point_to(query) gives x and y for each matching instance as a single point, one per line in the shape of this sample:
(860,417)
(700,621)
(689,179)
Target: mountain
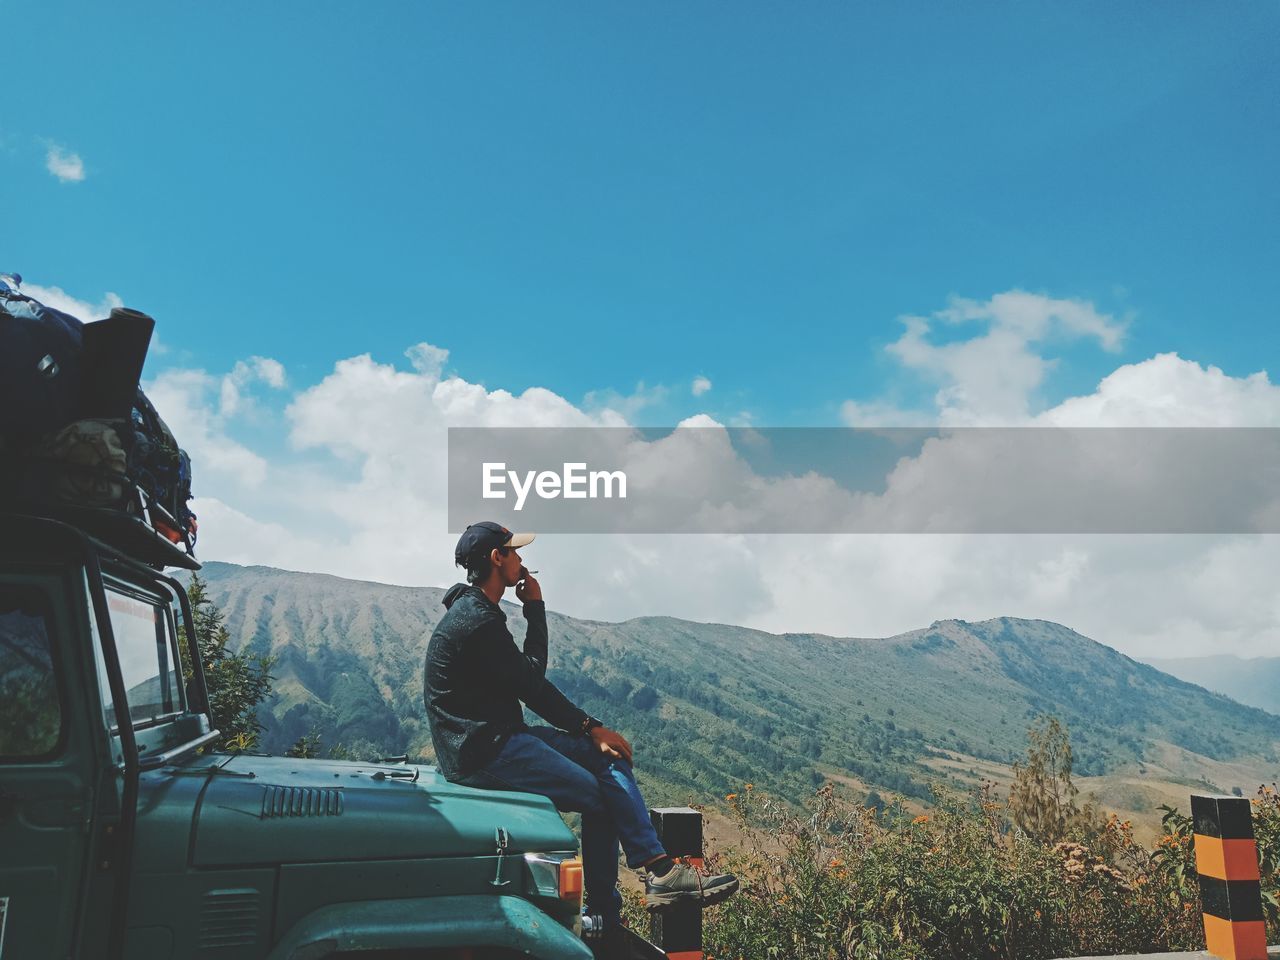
(1255,681)
(710,706)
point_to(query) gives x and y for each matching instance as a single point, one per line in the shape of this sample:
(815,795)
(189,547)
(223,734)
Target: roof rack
(131,535)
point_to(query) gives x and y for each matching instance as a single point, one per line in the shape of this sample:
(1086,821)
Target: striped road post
(1230,891)
(678,931)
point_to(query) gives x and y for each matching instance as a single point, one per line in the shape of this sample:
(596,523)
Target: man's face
(509,566)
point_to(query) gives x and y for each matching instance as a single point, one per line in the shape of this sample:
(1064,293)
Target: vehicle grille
(228,918)
(301,802)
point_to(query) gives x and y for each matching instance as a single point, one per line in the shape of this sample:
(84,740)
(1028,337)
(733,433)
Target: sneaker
(683,884)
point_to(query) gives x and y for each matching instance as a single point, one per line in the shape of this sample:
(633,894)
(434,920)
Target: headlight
(555,875)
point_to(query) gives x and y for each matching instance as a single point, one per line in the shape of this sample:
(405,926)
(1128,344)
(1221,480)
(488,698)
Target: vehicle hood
(274,810)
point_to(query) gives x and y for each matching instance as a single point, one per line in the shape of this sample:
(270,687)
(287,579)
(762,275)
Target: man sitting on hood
(476,678)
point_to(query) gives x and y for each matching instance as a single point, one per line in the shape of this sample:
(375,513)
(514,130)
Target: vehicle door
(46,767)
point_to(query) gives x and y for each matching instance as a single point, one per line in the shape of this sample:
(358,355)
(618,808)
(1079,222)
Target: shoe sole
(662,902)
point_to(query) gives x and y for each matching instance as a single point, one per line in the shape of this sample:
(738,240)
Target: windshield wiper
(410,775)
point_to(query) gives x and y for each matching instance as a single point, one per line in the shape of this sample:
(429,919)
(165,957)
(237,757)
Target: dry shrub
(960,882)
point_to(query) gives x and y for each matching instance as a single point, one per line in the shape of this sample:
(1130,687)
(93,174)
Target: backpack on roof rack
(40,355)
(80,432)
(133,465)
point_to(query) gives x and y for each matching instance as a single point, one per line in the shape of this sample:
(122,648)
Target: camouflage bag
(162,470)
(86,463)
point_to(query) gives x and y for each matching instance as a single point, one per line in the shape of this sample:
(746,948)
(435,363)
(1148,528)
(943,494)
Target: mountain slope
(1255,681)
(711,706)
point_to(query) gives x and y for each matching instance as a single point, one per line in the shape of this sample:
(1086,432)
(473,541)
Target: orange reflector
(1226,859)
(1235,941)
(166,531)
(571,879)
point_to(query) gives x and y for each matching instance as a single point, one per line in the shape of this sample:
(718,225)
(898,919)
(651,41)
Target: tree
(237,682)
(305,747)
(1042,799)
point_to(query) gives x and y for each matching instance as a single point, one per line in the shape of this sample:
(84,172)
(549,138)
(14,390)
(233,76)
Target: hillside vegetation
(710,706)
(963,882)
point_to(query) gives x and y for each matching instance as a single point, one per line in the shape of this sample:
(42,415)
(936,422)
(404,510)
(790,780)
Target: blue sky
(591,206)
(590,197)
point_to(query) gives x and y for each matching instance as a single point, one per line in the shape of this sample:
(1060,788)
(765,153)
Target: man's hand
(528,588)
(611,742)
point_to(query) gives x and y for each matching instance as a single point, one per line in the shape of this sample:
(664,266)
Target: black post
(1230,891)
(677,931)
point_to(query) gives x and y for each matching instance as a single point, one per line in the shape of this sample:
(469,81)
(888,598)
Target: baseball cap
(479,538)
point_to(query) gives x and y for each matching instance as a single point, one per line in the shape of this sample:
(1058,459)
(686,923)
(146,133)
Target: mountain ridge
(714,705)
(1250,680)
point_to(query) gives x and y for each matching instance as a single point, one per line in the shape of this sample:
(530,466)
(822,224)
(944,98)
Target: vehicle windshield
(145,643)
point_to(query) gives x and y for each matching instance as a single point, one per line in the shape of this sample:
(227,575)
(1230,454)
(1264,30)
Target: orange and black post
(677,932)
(1230,887)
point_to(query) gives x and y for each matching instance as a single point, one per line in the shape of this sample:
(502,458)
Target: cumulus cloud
(269,371)
(627,405)
(1146,595)
(700,386)
(367,499)
(59,299)
(993,376)
(232,535)
(1168,391)
(63,164)
(86,311)
(880,413)
(232,392)
(201,409)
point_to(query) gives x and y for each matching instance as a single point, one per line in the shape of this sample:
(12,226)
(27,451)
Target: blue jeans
(572,772)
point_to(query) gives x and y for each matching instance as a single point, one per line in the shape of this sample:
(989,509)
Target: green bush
(838,880)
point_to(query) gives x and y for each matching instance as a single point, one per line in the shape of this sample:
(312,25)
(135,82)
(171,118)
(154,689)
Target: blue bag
(40,366)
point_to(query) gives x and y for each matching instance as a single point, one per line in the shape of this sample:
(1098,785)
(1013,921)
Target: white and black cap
(479,538)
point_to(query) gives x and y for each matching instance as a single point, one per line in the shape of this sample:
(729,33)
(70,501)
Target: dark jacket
(475,678)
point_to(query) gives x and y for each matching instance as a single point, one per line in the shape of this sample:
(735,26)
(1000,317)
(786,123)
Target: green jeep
(125,833)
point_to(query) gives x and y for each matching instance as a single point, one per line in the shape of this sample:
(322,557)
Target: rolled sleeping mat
(114,351)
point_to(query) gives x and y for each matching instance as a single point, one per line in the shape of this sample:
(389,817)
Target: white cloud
(232,390)
(59,299)
(992,377)
(1153,595)
(63,164)
(427,359)
(628,405)
(85,311)
(370,499)
(877,413)
(1145,596)
(1168,391)
(270,372)
(228,534)
(700,386)
(186,401)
